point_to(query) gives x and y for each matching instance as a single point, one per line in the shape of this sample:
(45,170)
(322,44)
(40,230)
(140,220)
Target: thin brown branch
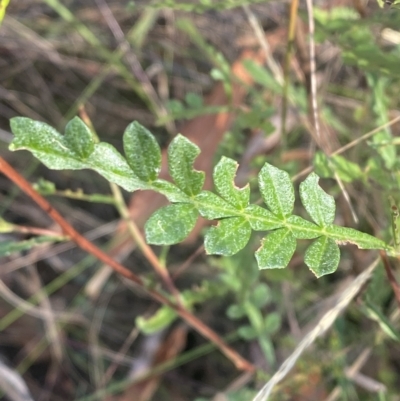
(89,247)
(392,279)
(291,35)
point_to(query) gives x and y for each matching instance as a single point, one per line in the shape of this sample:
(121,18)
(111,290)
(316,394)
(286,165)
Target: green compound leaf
(261,219)
(276,190)
(142,152)
(213,207)
(171,224)
(322,256)
(51,148)
(319,205)
(181,155)
(228,237)
(276,249)
(345,235)
(224,176)
(79,138)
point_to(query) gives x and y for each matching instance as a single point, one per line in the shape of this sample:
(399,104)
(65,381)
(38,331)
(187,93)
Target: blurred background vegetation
(229,75)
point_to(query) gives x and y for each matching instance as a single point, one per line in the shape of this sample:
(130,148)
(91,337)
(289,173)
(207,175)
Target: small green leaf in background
(261,295)
(160,320)
(276,249)
(171,224)
(224,181)
(9,247)
(276,190)
(235,312)
(379,84)
(319,205)
(193,100)
(272,323)
(372,311)
(322,256)
(262,76)
(181,155)
(79,138)
(142,152)
(345,169)
(228,237)
(247,332)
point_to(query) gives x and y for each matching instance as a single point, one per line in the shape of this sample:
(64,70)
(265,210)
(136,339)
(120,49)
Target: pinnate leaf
(276,249)
(319,205)
(224,181)
(142,152)
(276,190)
(181,155)
(322,256)
(228,237)
(171,224)
(79,138)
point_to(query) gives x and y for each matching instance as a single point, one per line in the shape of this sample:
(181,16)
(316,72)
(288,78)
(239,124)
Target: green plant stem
(160,269)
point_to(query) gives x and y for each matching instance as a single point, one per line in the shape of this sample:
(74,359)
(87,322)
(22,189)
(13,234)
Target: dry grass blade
(324,324)
(12,384)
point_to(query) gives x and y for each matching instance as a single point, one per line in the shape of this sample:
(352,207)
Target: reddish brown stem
(390,275)
(89,247)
